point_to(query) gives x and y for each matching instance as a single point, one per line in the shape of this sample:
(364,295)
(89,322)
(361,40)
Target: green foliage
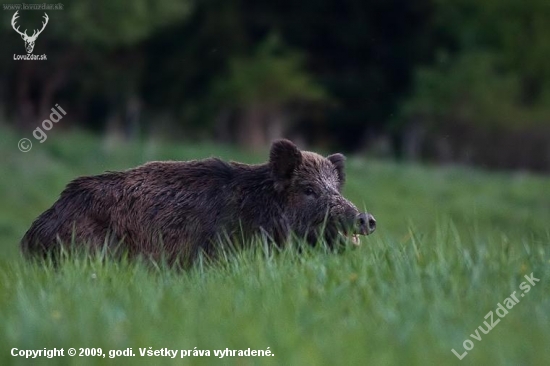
(450,244)
(273,75)
(518,31)
(499,77)
(111,23)
(470,90)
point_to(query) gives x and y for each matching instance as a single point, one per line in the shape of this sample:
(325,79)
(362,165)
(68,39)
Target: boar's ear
(338,160)
(284,157)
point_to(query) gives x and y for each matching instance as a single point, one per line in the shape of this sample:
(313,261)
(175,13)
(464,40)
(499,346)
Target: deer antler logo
(29,40)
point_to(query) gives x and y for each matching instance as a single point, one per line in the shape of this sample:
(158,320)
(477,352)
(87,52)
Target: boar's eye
(308,191)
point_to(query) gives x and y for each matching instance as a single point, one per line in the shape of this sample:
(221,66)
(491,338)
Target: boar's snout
(366,224)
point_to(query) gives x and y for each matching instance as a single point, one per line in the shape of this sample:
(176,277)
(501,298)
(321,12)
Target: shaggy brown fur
(176,209)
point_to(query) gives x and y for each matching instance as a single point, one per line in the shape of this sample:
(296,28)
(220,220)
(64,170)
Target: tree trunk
(50,87)
(251,132)
(277,124)
(25,109)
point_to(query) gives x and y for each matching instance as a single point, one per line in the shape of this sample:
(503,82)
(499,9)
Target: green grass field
(451,244)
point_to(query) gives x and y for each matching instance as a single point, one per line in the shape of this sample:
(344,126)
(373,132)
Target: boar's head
(310,186)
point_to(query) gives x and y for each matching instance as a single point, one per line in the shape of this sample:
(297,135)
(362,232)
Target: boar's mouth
(354,238)
(353,235)
(338,231)
(346,234)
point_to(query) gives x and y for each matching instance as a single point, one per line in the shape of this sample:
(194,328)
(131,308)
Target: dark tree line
(447,80)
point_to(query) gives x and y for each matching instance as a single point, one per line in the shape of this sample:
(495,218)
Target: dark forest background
(462,81)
